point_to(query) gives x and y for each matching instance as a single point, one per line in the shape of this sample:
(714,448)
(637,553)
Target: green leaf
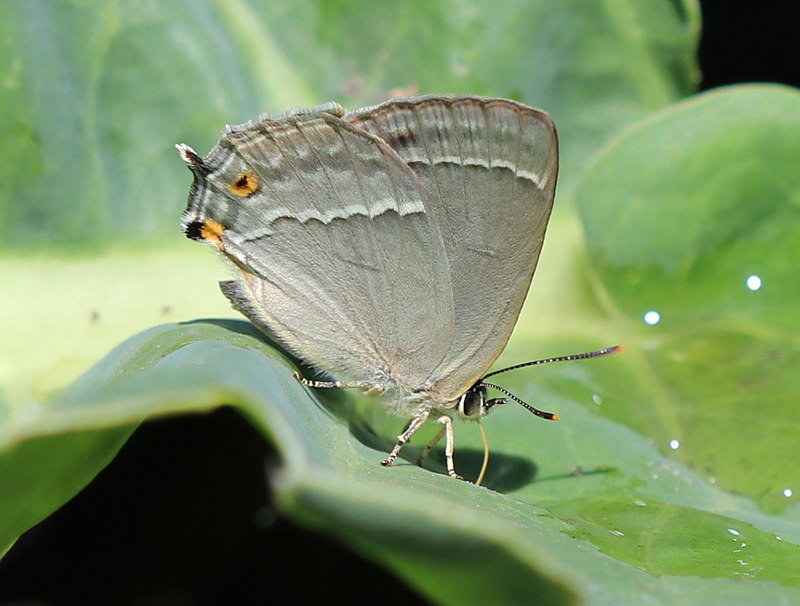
(679,212)
(96,94)
(597,507)
(547,541)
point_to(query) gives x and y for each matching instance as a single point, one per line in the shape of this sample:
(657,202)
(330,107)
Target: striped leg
(449,445)
(330,384)
(404,437)
(430,446)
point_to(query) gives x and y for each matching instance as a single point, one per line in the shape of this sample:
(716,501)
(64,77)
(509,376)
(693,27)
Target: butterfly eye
(470,406)
(244,185)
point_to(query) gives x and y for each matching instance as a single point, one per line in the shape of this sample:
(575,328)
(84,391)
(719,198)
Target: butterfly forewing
(339,256)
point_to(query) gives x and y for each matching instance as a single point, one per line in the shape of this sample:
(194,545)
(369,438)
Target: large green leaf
(95,94)
(677,213)
(598,507)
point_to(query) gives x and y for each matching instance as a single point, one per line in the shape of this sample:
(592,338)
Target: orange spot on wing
(212,231)
(244,185)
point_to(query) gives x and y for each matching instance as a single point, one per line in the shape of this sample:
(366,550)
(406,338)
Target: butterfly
(391,247)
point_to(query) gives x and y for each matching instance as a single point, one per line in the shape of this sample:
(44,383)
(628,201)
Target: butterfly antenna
(539,413)
(582,356)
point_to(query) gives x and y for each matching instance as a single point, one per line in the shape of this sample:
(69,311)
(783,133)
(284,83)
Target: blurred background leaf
(96,94)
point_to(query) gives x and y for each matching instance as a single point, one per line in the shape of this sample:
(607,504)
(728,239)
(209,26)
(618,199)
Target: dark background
(749,42)
(182,516)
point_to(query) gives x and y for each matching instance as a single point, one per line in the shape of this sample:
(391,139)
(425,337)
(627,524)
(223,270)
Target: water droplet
(733,532)
(597,399)
(753,282)
(640,503)
(674,444)
(652,317)
(787,492)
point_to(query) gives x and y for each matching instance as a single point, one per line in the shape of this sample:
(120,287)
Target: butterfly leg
(431,446)
(404,437)
(330,384)
(449,445)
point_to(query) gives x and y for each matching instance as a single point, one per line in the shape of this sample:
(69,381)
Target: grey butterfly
(391,247)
